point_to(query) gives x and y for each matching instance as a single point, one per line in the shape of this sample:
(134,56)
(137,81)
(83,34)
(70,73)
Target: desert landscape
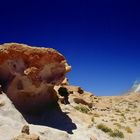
(32,107)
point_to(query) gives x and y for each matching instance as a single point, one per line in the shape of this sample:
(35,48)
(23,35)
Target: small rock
(25,129)
(27,137)
(93,138)
(2,103)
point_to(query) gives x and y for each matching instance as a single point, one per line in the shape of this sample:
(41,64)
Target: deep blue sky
(99,38)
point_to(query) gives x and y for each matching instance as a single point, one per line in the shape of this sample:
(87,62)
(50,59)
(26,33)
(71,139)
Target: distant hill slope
(136,87)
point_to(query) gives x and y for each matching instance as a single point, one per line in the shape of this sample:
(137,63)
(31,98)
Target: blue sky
(99,38)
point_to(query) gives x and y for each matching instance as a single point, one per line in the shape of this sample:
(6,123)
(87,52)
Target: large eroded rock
(28,74)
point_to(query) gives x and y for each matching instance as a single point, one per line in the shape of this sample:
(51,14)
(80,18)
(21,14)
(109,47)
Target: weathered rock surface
(77,95)
(74,89)
(28,74)
(25,129)
(60,124)
(65,82)
(25,134)
(31,78)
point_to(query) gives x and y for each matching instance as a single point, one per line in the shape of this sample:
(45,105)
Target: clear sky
(99,38)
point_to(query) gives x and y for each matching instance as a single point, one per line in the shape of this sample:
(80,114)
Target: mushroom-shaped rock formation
(29,74)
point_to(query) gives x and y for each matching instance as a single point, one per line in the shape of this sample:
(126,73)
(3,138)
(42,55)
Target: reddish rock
(29,74)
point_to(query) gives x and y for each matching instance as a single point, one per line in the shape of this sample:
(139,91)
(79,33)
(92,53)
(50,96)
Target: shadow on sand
(53,117)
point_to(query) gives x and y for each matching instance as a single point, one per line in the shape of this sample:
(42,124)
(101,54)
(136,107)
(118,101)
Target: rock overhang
(29,74)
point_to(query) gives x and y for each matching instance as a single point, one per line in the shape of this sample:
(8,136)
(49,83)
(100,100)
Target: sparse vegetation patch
(93,119)
(118,125)
(104,128)
(115,133)
(128,129)
(82,109)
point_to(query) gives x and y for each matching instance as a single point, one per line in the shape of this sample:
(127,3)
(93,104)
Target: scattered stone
(25,134)
(93,138)
(2,103)
(25,129)
(27,137)
(82,101)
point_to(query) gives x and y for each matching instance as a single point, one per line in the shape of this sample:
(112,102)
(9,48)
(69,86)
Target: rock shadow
(53,117)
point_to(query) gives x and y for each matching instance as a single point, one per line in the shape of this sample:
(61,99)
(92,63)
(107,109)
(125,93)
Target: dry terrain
(87,117)
(37,103)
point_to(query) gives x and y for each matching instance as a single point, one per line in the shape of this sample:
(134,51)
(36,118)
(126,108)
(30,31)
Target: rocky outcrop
(67,124)
(25,135)
(71,89)
(74,89)
(65,82)
(76,95)
(28,74)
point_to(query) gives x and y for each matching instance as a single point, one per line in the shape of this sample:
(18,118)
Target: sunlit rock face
(29,74)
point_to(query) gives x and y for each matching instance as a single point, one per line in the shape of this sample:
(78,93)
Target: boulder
(28,74)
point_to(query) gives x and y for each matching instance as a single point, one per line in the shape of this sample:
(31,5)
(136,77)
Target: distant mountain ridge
(136,87)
